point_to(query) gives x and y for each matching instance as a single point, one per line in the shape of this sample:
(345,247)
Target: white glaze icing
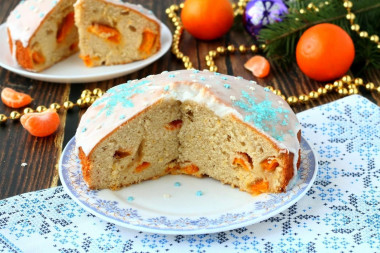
(24,20)
(251,103)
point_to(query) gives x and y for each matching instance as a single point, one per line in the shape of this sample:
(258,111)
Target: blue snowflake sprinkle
(42,15)
(177,184)
(224,78)
(227,86)
(167,87)
(122,117)
(171,76)
(130,199)
(120,95)
(199,193)
(202,78)
(84,129)
(263,115)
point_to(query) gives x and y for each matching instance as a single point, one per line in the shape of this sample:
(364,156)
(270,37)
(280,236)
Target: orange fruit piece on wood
(14,99)
(41,124)
(258,65)
(207,19)
(325,52)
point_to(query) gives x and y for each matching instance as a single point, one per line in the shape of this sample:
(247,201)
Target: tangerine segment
(258,65)
(259,187)
(105,32)
(241,162)
(88,60)
(38,58)
(175,124)
(269,164)
(41,124)
(142,166)
(148,41)
(14,99)
(67,25)
(190,169)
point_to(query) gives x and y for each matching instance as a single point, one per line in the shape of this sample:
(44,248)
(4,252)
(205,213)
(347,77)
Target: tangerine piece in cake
(67,24)
(115,32)
(258,65)
(148,41)
(259,187)
(142,167)
(269,164)
(173,125)
(41,124)
(14,99)
(105,32)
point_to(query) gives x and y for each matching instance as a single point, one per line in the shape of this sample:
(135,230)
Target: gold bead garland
(86,99)
(344,86)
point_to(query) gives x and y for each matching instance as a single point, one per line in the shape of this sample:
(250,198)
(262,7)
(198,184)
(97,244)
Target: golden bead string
(356,27)
(347,85)
(86,99)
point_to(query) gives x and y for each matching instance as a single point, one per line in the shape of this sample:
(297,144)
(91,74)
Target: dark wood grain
(42,154)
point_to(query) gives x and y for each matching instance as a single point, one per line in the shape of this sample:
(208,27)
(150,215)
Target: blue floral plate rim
(116,206)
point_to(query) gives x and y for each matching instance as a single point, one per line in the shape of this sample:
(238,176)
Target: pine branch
(281,38)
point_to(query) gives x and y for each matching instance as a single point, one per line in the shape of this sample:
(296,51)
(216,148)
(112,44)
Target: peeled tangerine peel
(258,65)
(41,124)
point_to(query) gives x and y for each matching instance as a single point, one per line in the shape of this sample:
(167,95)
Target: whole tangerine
(325,52)
(207,19)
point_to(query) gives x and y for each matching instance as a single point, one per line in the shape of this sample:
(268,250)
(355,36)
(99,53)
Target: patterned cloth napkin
(340,213)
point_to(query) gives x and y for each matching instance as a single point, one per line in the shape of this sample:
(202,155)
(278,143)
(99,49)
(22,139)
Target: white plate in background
(73,70)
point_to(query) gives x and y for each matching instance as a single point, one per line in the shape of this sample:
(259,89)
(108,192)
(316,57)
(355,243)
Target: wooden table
(28,163)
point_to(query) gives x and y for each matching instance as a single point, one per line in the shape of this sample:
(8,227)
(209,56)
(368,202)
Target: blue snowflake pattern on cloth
(340,212)
(263,114)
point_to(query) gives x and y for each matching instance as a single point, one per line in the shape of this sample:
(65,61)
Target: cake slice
(113,32)
(42,33)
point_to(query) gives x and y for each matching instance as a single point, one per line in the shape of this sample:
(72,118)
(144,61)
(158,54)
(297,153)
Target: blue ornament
(259,13)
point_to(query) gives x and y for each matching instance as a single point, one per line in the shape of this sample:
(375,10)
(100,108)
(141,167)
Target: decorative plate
(73,70)
(180,204)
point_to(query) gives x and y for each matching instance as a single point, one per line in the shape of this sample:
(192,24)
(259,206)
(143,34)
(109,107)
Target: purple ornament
(259,13)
